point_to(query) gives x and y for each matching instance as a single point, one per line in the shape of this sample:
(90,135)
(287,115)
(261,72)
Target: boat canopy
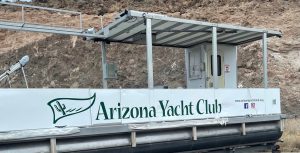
(130,27)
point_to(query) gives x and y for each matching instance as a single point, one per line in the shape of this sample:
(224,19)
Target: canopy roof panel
(130,27)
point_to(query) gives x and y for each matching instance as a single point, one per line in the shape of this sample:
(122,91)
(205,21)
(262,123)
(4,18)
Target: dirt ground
(291,136)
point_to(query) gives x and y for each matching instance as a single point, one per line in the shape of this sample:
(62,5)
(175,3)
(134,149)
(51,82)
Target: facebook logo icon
(246,106)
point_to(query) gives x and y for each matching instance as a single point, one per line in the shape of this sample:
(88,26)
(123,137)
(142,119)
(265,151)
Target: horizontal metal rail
(260,133)
(23,6)
(46,29)
(126,128)
(38,7)
(22,25)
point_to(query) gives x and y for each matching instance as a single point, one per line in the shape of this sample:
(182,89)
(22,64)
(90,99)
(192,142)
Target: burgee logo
(63,107)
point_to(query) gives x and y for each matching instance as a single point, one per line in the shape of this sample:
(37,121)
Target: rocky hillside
(64,61)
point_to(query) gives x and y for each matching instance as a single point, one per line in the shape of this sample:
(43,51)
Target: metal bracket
(145,19)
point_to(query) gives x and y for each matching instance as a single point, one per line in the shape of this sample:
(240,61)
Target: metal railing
(24,6)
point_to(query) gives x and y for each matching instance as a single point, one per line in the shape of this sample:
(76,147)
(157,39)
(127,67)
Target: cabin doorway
(209,69)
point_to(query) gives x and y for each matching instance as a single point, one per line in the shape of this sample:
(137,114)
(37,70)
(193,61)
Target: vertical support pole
(23,16)
(133,139)
(104,70)
(24,75)
(265,58)
(236,72)
(53,145)
(194,133)
(80,18)
(8,81)
(187,65)
(281,122)
(243,128)
(149,53)
(215,55)
(101,20)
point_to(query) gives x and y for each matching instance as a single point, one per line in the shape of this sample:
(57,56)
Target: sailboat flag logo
(63,107)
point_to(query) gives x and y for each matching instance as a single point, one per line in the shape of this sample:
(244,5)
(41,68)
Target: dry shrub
(291,136)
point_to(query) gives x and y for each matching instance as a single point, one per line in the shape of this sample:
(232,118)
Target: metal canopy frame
(152,29)
(175,32)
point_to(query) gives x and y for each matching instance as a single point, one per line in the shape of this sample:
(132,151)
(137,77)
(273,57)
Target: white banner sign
(46,108)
